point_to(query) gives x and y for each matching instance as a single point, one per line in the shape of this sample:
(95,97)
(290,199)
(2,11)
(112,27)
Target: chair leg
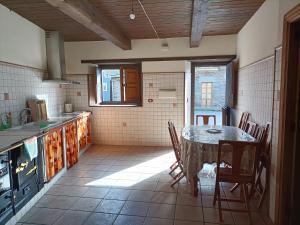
(177,179)
(175,167)
(219,203)
(264,188)
(174,164)
(234,187)
(261,198)
(258,180)
(246,198)
(215,194)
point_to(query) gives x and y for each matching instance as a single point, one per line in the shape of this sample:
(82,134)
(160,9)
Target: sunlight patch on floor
(135,174)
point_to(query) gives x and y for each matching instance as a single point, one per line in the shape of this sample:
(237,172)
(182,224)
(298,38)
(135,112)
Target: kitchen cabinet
(71,144)
(54,158)
(84,130)
(89,129)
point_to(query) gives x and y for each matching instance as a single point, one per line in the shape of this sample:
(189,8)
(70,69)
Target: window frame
(211,94)
(121,67)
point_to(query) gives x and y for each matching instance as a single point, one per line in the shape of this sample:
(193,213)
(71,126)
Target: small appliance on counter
(38,109)
(68,108)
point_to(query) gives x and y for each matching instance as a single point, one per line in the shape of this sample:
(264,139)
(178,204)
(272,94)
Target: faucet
(24,118)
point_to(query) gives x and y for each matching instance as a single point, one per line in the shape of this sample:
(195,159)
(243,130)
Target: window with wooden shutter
(132,85)
(118,85)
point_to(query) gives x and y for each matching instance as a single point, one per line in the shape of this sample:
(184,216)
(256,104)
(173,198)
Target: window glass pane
(111,90)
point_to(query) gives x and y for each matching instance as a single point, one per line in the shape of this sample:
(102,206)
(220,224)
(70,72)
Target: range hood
(56,59)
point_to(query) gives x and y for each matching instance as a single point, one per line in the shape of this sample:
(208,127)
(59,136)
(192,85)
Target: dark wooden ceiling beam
(86,14)
(199,15)
(217,58)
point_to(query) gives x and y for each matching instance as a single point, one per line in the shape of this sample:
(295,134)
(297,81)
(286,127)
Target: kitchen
(85,106)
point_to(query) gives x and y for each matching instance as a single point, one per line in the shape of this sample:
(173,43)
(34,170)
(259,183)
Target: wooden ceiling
(171,18)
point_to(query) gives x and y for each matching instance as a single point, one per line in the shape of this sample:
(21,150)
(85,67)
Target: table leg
(194,185)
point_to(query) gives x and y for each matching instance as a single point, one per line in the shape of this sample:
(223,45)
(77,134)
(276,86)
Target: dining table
(199,145)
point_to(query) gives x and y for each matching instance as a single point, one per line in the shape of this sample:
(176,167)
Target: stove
(6,203)
(25,178)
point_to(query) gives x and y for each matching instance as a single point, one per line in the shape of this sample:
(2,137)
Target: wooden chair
(264,162)
(251,128)
(263,137)
(235,173)
(177,150)
(243,121)
(205,119)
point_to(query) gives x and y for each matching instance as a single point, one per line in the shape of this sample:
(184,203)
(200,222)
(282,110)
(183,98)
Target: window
(116,85)
(206,94)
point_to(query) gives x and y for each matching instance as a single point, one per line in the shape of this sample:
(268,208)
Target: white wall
(263,32)
(187,93)
(21,42)
(258,37)
(210,45)
(145,125)
(163,66)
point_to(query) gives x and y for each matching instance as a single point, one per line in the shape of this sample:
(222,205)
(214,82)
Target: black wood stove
(6,203)
(26,178)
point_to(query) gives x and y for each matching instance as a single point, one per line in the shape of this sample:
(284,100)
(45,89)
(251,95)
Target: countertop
(15,137)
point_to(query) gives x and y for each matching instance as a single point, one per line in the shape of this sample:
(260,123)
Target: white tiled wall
(255,90)
(146,125)
(21,84)
(259,93)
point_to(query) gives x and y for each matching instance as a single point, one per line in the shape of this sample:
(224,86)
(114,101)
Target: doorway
(208,93)
(287,193)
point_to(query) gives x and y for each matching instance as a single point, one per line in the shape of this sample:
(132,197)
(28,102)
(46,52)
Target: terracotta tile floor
(129,186)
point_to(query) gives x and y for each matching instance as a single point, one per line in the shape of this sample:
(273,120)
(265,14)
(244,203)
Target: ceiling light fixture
(131,14)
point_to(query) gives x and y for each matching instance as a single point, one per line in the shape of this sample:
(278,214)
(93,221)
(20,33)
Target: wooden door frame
(193,66)
(287,121)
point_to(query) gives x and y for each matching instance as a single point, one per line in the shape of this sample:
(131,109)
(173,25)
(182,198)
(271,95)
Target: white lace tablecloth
(200,146)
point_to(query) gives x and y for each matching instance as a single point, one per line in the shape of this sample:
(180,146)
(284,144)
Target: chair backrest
(259,133)
(240,155)
(174,139)
(205,119)
(243,121)
(265,139)
(251,128)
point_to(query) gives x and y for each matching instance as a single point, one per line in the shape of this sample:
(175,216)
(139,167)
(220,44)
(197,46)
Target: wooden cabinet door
(72,144)
(89,130)
(53,153)
(132,85)
(84,131)
(81,132)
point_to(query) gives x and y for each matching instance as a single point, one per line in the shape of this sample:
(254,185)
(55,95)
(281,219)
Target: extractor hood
(56,59)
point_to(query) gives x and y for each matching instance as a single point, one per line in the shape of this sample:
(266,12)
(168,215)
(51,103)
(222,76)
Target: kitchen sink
(35,125)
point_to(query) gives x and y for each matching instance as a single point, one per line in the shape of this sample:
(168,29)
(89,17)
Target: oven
(25,178)
(6,203)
